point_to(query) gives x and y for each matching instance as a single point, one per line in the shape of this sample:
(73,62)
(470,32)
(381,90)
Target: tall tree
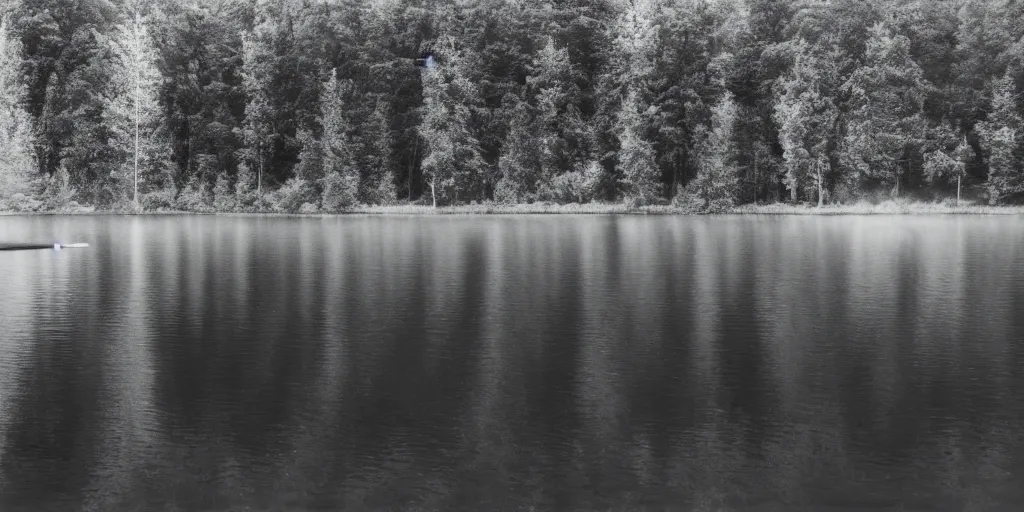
(718,178)
(340,183)
(132,108)
(636,157)
(567,141)
(65,66)
(627,85)
(520,162)
(946,157)
(258,62)
(807,115)
(377,182)
(886,123)
(1002,140)
(200,43)
(689,76)
(453,162)
(16,158)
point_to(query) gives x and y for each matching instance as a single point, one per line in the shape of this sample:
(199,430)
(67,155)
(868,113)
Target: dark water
(513,363)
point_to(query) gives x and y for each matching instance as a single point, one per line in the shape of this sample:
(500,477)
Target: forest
(319,105)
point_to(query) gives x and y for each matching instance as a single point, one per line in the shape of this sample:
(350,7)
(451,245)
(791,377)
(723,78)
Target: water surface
(513,363)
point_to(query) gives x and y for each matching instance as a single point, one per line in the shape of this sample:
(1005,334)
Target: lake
(513,363)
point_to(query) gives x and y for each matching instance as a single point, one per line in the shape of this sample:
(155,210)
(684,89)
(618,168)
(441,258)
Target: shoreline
(885,208)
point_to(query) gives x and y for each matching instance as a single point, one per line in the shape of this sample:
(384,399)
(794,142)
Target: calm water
(513,363)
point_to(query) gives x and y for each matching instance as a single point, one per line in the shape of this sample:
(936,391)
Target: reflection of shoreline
(20,290)
(129,402)
(675,358)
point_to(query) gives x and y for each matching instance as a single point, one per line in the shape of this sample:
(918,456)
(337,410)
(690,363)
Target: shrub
(158,200)
(194,197)
(385,192)
(223,199)
(295,192)
(58,191)
(263,203)
(720,205)
(19,202)
(339,192)
(579,186)
(688,202)
(507,192)
(633,202)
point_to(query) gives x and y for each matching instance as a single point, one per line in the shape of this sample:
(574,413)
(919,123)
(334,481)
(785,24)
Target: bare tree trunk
(433,196)
(138,94)
(675,174)
(958,190)
(412,164)
(755,177)
(259,175)
(820,187)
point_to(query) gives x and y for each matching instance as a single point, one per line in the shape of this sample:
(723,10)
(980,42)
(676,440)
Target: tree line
(315,105)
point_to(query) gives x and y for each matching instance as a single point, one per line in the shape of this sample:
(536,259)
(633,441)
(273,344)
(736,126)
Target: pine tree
(946,157)
(717,180)
(806,113)
(257,71)
(377,179)
(1002,140)
(520,162)
(67,69)
(340,182)
(635,39)
(132,109)
(689,76)
(453,163)
(886,123)
(567,141)
(636,158)
(17,161)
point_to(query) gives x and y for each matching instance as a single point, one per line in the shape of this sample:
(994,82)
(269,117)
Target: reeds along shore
(892,207)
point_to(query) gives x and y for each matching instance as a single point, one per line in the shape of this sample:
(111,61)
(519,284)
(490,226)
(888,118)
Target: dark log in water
(30,247)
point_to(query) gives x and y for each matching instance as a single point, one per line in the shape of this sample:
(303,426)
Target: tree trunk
(433,196)
(958,190)
(138,93)
(412,164)
(820,197)
(755,177)
(259,174)
(675,174)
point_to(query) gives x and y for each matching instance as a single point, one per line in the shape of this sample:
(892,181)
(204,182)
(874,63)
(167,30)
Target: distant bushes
(577,191)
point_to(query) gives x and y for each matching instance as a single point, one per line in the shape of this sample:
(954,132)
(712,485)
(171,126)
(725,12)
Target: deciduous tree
(17,161)
(132,109)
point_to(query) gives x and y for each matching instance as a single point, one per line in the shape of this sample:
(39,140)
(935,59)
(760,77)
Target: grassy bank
(884,208)
(863,208)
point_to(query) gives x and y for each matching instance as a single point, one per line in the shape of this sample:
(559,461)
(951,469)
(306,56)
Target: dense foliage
(315,105)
